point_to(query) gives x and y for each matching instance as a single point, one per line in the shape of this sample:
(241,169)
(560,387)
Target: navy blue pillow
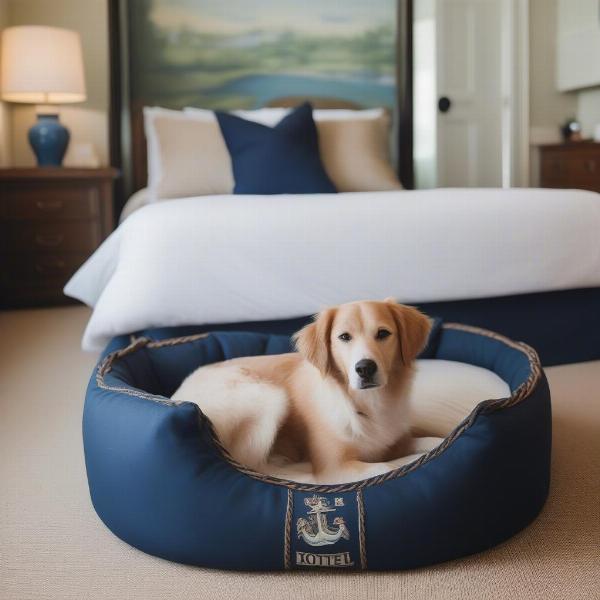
(276,160)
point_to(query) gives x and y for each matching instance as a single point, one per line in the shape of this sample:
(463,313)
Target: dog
(339,405)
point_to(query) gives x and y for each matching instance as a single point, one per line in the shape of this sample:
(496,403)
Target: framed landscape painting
(245,54)
(231,54)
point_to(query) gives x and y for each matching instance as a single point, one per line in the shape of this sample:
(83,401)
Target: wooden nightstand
(51,220)
(571,165)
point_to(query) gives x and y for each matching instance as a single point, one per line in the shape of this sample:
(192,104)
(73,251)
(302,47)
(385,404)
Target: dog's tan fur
(305,407)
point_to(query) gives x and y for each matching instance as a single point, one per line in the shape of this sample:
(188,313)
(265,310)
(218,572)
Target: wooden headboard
(316,101)
(127,139)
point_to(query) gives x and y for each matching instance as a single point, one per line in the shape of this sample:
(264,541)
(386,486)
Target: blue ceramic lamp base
(49,140)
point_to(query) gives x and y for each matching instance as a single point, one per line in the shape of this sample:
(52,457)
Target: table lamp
(43,66)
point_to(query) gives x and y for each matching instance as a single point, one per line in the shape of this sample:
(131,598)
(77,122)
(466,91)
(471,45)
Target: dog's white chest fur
(369,422)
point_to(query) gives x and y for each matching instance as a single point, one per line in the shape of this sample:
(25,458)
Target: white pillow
(355,150)
(265,116)
(187,155)
(354,145)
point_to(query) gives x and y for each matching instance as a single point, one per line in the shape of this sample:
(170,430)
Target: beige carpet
(52,545)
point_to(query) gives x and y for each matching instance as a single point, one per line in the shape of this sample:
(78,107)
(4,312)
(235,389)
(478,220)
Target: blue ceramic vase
(49,140)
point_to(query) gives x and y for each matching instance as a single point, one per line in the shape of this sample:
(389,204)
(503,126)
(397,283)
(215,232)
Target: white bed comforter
(221,259)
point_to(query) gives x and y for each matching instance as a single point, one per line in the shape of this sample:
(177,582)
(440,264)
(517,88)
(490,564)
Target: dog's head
(363,344)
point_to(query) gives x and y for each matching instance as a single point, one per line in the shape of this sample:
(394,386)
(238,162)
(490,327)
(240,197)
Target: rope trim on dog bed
(361,529)
(136,344)
(287,533)
(484,407)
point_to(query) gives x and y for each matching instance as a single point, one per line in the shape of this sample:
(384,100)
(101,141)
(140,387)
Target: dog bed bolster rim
(485,406)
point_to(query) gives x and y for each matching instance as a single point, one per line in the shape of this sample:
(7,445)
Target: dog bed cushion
(445,392)
(161,481)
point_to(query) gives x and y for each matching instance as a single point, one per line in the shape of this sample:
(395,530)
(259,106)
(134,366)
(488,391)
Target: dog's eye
(345,337)
(382,334)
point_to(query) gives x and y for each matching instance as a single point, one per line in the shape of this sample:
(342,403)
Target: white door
(469,93)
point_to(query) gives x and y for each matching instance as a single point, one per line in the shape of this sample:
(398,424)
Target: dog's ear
(413,329)
(313,341)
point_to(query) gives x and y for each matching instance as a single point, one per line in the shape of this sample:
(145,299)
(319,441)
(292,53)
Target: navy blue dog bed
(161,481)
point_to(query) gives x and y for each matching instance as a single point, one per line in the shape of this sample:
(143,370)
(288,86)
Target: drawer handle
(51,265)
(49,240)
(49,205)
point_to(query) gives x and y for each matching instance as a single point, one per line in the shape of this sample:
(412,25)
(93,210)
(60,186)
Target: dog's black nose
(366,368)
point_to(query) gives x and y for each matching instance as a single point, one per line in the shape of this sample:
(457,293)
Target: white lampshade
(41,65)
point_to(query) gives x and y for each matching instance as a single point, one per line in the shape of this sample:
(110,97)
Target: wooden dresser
(51,220)
(571,165)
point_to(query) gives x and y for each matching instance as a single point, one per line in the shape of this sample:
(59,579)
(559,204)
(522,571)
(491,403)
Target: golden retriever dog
(339,405)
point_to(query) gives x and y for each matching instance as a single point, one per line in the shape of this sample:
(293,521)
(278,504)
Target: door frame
(404,92)
(514,72)
(519,125)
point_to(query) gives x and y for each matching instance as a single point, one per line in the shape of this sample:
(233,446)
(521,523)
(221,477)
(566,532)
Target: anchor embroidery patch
(315,530)
(325,530)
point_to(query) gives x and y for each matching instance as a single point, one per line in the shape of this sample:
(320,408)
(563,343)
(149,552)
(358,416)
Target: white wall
(578,39)
(588,110)
(579,51)
(548,108)
(88,121)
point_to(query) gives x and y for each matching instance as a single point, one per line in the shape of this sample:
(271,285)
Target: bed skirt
(563,327)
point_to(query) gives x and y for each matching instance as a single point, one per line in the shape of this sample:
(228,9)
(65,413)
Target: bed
(488,258)
(521,262)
